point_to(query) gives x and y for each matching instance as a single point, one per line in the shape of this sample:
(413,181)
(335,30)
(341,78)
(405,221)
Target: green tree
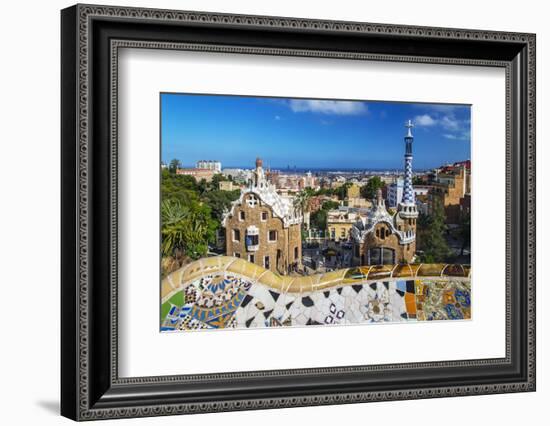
(301,201)
(174,165)
(368,191)
(318,219)
(202,187)
(325,191)
(342,191)
(220,201)
(464,232)
(330,205)
(431,235)
(417,180)
(186,229)
(179,187)
(216,179)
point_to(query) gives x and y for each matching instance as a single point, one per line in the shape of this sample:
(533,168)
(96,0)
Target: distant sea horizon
(302,169)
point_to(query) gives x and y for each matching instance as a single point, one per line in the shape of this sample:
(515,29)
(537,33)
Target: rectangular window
(264,216)
(295,253)
(266,262)
(241,215)
(252,240)
(251,258)
(272,235)
(236,235)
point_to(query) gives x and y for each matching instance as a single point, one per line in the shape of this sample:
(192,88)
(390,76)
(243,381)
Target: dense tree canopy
(368,191)
(191,212)
(318,219)
(186,228)
(431,235)
(179,187)
(220,201)
(416,180)
(342,191)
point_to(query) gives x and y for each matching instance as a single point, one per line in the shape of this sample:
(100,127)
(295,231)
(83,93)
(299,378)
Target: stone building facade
(198,174)
(340,221)
(264,227)
(449,190)
(382,238)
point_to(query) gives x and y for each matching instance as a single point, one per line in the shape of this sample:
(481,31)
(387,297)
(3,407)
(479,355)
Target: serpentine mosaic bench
(227,292)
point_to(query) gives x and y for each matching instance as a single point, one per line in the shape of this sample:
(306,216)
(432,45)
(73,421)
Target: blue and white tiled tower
(389,237)
(407,206)
(408,193)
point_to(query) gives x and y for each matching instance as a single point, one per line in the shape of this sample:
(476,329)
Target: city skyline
(310,133)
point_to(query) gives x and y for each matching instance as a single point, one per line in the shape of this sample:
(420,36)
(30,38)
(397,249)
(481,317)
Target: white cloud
(424,120)
(328,107)
(464,136)
(446,119)
(449,122)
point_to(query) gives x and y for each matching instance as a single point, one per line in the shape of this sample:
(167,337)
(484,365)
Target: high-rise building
(209,165)
(395,193)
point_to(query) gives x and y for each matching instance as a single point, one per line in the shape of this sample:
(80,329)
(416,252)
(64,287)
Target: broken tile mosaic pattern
(226,292)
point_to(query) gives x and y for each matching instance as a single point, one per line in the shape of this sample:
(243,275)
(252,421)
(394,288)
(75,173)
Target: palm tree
(174,165)
(301,201)
(173,216)
(186,228)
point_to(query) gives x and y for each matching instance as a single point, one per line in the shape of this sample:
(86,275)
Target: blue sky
(310,133)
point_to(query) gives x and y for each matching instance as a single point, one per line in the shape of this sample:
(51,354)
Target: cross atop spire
(409,125)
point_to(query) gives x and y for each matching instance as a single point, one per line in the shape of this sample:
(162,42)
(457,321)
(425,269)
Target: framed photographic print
(263,212)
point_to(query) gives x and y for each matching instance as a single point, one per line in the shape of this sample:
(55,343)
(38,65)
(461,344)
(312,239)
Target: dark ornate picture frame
(90,38)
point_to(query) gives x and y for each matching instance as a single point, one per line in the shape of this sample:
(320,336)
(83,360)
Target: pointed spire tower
(407,206)
(259,179)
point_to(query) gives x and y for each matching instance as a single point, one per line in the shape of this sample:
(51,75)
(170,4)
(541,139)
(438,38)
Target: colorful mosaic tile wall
(218,297)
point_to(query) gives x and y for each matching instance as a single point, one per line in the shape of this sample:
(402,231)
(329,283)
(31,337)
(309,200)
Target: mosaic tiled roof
(378,213)
(266,192)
